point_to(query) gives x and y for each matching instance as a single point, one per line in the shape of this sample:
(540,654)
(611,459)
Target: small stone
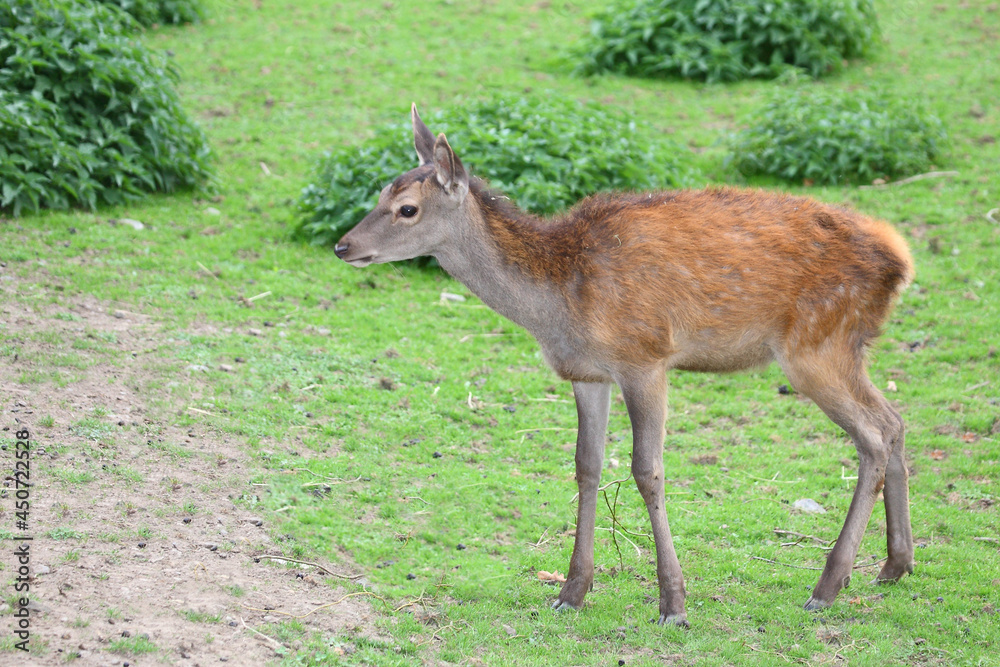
(42,569)
(460,546)
(453,298)
(211,210)
(437,455)
(256,332)
(119,314)
(411,576)
(226,368)
(809,506)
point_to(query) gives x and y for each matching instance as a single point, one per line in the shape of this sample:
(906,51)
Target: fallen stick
(911,179)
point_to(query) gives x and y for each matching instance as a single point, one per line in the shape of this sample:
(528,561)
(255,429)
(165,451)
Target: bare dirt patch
(142,552)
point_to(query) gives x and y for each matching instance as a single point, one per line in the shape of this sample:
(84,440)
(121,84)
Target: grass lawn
(426,446)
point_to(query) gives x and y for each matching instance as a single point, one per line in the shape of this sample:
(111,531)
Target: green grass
(133,646)
(280,84)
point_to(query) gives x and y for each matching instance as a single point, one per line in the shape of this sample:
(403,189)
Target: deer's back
(718,279)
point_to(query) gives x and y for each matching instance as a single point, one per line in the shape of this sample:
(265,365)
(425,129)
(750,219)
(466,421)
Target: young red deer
(624,287)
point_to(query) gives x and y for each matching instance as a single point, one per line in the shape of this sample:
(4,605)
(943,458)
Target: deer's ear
(423,139)
(450,172)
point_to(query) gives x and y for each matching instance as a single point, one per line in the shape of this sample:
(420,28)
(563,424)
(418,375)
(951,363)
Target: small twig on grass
(259,296)
(616,524)
(760,650)
(541,540)
(614,520)
(638,552)
(807,567)
(273,643)
(911,179)
(468,337)
(315,565)
(322,606)
(205,269)
(330,480)
(773,480)
(836,653)
(991,540)
(412,602)
(201,412)
(434,635)
(871,564)
(602,488)
(825,543)
(774,562)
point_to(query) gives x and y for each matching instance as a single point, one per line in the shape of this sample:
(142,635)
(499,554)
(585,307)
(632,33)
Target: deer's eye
(407,211)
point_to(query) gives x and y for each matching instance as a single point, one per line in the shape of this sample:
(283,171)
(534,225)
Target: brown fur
(642,268)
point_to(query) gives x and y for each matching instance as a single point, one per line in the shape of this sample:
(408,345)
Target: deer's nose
(341,249)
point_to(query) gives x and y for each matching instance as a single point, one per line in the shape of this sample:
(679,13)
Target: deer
(626,286)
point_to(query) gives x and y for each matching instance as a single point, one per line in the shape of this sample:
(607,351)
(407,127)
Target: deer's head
(413,214)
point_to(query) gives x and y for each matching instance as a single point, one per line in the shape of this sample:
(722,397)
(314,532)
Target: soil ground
(140,554)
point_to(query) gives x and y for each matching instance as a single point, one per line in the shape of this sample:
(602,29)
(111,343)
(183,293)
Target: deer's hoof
(892,573)
(680,620)
(815,604)
(562,605)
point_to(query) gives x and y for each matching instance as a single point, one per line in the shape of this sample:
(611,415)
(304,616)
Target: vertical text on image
(22,538)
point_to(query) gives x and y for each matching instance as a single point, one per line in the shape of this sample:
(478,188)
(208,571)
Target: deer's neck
(509,260)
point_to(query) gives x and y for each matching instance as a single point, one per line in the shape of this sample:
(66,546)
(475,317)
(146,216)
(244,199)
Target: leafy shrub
(838,136)
(88,115)
(544,153)
(148,12)
(727,40)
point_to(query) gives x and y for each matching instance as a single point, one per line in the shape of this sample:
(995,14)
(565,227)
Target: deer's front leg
(645,393)
(593,400)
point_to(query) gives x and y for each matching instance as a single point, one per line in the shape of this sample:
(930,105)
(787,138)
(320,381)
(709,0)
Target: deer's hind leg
(899,534)
(835,379)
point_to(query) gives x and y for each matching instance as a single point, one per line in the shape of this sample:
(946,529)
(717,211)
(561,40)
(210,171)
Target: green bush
(148,12)
(88,115)
(829,136)
(727,40)
(544,153)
